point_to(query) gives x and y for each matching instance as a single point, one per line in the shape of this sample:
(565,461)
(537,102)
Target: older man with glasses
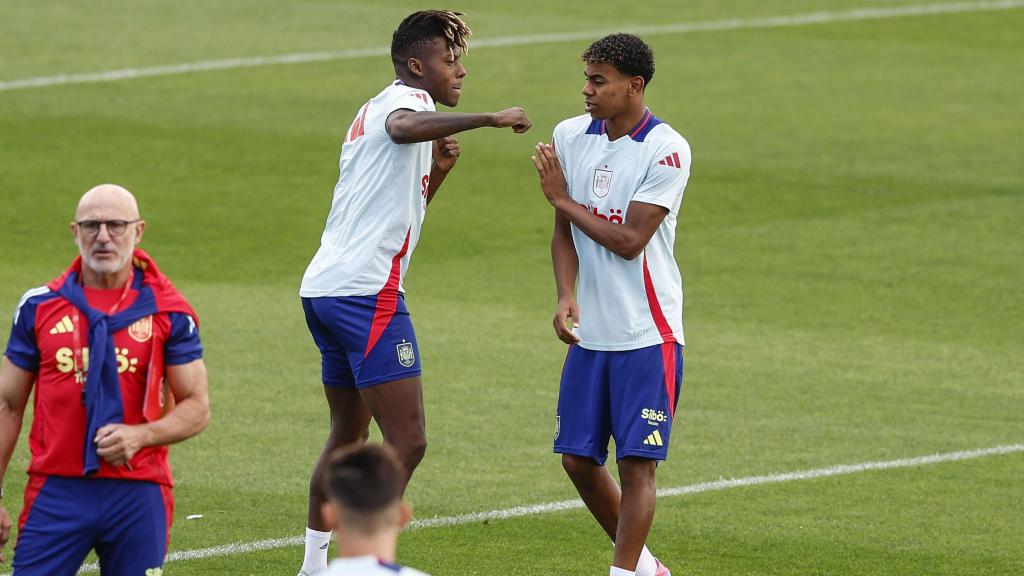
(114,354)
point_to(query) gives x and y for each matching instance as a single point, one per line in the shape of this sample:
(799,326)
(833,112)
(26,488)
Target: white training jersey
(626,304)
(366,566)
(379,203)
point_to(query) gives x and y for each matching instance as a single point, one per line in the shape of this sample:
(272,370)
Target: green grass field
(851,239)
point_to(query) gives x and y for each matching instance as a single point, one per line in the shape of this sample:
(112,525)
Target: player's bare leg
(350,421)
(397,406)
(597,488)
(350,424)
(636,510)
(628,510)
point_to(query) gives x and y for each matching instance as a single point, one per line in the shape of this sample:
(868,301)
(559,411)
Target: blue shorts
(363,340)
(628,395)
(127,522)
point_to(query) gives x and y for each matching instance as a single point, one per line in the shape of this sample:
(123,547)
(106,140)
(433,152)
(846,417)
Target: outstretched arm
(15,386)
(627,240)
(407,126)
(117,443)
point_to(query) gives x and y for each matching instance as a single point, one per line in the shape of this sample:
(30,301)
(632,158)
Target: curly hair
(626,52)
(421,28)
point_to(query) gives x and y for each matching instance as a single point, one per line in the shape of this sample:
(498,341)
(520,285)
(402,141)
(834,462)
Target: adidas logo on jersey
(671,160)
(654,439)
(63,327)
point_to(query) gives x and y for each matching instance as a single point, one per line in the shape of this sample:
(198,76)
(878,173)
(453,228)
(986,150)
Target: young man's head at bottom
(364,501)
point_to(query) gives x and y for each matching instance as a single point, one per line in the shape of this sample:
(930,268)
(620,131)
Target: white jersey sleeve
(415,100)
(663,187)
(558,141)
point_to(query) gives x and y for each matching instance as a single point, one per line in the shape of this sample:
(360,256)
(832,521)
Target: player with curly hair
(395,156)
(615,177)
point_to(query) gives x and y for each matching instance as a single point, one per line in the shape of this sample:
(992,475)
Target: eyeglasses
(114,227)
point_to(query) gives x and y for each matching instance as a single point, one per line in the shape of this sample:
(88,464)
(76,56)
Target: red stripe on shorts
(668,360)
(32,489)
(168,495)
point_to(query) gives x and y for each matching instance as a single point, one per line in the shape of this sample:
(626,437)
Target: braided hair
(421,28)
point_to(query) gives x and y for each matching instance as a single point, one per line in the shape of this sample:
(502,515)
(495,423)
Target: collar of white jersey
(639,131)
(366,562)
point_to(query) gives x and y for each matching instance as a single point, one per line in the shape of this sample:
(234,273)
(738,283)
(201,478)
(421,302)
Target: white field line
(536,509)
(677,28)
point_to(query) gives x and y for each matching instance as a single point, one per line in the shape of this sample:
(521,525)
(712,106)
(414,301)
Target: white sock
(317,543)
(615,571)
(646,565)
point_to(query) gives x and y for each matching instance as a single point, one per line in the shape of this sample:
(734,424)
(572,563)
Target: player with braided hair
(395,155)
(421,28)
